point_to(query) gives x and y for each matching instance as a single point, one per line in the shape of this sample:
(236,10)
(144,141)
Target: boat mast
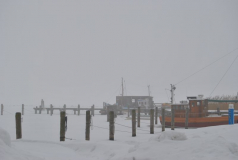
(172,93)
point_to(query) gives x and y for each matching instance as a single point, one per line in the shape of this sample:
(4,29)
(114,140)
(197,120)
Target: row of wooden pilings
(111,119)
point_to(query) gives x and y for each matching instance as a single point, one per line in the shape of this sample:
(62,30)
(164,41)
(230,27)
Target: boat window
(198,103)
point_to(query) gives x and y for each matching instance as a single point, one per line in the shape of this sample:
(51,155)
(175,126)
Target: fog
(76,52)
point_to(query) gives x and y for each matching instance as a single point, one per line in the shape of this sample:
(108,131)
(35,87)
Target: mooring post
(218,111)
(107,113)
(92,110)
(186,118)
(65,108)
(152,121)
(62,126)
(78,110)
(87,133)
(163,119)
(138,117)
(1,109)
(172,118)
(133,123)
(36,110)
(51,109)
(18,125)
(22,109)
(156,115)
(111,126)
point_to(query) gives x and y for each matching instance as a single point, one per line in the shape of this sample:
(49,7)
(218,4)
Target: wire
(223,75)
(206,66)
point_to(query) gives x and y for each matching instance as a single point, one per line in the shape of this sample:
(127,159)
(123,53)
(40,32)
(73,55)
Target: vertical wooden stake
(92,110)
(172,119)
(1,109)
(87,133)
(78,110)
(62,126)
(156,115)
(163,119)
(152,121)
(65,108)
(51,109)
(18,125)
(22,109)
(186,119)
(138,117)
(111,126)
(133,123)
(218,111)
(36,110)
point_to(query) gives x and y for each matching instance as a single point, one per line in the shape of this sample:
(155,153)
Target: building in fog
(135,101)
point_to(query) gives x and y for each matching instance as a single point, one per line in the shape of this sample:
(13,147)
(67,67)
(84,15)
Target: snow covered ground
(41,139)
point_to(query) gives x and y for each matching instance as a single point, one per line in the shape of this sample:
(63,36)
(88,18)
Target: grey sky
(75,52)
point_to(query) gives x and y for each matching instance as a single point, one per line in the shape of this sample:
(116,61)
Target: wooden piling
(152,121)
(78,110)
(18,125)
(87,133)
(186,119)
(156,115)
(36,110)
(62,126)
(138,117)
(65,108)
(1,109)
(218,111)
(51,109)
(22,109)
(111,126)
(172,119)
(133,123)
(163,119)
(92,110)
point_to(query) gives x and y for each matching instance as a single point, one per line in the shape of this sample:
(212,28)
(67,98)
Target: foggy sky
(75,52)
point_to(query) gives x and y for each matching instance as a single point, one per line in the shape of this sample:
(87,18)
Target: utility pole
(148,89)
(172,93)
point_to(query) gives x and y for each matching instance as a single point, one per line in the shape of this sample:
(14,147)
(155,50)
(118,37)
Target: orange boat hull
(198,122)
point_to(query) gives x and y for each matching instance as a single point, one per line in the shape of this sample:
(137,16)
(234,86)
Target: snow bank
(5,138)
(172,135)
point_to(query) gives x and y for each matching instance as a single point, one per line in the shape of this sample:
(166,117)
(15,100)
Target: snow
(41,139)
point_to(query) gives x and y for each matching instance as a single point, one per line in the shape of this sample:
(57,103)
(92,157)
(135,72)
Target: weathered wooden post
(87,132)
(138,117)
(156,115)
(36,110)
(163,119)
(18,125)
(65,108)
(1,109)
(92,110)
(152,121)
(51,109)
(78,110)
(172,119)
(62,126)
(186,118)
(111,126)
(22,109)
(108,113)
(218,111)
(133,123)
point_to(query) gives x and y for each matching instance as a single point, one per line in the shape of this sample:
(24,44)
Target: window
(198,103)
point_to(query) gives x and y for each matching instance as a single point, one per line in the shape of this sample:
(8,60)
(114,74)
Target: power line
(224,75)
(206,66)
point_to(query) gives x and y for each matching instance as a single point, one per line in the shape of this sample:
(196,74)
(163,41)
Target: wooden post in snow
(138,117)
(62,126)
(36,110)
(22,109)
(156,115)
(87,132)
(218,111)
(172,119)
(163,119)
(111,126)
(92,110)
(1,109)
(51,109)
(133,123)
(18,125)
(152,121)
(78,110)
(186,118)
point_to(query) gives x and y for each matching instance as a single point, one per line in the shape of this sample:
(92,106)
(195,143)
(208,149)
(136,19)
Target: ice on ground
(172,135)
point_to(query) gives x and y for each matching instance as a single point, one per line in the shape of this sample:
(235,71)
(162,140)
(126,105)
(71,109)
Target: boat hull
(198,122)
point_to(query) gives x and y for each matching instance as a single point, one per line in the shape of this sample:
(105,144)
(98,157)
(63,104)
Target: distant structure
(42,106)
(135,101)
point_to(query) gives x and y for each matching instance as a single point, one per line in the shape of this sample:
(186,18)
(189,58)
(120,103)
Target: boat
(198,113)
